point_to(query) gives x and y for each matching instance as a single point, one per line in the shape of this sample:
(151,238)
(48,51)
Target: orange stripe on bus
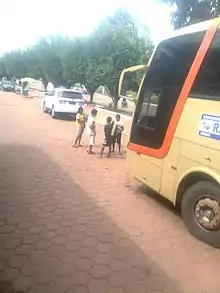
(162,152)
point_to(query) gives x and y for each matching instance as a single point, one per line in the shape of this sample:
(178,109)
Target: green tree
(193,11)
(50,52)
(93,67)
(69,63)
(15,64)
(120,46)
(73,62)
(92,61)
(2,69)
(82,64)
(34,69)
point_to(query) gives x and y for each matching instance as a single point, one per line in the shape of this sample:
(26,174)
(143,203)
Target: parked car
(7,85)
(63,101)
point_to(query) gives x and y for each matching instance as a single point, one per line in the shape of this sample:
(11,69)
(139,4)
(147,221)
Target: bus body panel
(188,125)
(197,153)
(186,144)
(189,152)
(194,69)
(158,174)
(175,151)
(188,167)
(203,155)
(146,169)
(169,170)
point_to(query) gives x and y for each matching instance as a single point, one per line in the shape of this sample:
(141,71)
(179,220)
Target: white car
(63,101)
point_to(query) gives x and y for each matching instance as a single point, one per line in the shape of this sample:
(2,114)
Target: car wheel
(54,113)
(200,210)
(45,108)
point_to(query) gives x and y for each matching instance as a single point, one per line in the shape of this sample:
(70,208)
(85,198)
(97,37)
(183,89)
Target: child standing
(91,130)
(80,122)
(118,133)
(108,137)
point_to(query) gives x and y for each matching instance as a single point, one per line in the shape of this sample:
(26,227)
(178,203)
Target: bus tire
(200,210)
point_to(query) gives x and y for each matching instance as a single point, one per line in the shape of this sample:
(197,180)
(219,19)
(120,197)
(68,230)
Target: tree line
(95,60)
(193,11)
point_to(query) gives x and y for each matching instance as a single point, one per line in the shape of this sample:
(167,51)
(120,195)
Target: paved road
(105,100)
(74,223)
(98,99)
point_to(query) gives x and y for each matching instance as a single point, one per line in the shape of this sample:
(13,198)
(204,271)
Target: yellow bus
(174,143)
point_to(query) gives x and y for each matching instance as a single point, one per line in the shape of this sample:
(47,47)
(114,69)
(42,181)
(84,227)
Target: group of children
(112,132)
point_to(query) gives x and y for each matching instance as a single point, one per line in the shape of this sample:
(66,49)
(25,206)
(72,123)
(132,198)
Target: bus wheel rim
(207,213)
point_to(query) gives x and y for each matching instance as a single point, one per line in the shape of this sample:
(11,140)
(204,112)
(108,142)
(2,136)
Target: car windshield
(71,95)
(7,82)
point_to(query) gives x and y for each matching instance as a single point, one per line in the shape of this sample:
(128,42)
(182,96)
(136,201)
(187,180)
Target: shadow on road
(54,237)
(165,203)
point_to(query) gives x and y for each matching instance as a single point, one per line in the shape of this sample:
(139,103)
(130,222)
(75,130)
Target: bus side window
(149,110)
(207,82)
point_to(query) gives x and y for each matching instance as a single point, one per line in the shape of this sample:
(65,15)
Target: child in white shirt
(91,130)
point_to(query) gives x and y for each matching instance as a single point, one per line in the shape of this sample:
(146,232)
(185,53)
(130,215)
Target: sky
(23,22)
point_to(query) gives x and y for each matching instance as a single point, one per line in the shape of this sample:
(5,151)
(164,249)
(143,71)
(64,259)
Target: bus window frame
(185,91)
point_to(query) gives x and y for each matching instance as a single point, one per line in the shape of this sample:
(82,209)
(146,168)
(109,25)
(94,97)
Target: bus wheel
(200,210)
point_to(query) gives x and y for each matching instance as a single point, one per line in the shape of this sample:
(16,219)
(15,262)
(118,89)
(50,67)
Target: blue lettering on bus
(210,126)
(216,127)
